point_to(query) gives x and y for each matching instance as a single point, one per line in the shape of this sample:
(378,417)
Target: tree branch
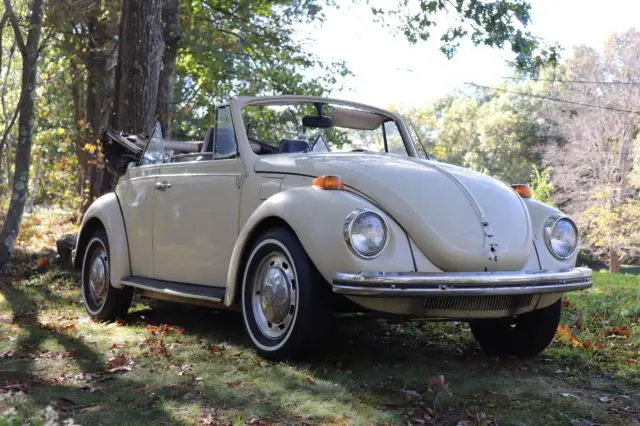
(16,27)
(7,130)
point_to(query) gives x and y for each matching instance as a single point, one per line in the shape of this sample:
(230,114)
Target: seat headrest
(292,145)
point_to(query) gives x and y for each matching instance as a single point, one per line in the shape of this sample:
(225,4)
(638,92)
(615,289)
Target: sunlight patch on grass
(378,371)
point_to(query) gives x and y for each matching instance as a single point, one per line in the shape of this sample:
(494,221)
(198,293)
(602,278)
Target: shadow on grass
(129,398)
(377,370)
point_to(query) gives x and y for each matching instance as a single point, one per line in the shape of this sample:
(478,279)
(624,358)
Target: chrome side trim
(416,284)
(190,291)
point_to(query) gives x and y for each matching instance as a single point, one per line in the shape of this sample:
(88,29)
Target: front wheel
(102,301)
(524,336)
(284,300)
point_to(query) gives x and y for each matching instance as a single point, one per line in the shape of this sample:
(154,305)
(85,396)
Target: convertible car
(293,208)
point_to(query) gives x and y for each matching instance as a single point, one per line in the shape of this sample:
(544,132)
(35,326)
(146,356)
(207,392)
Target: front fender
(105,212)
(539,213)
(317,217)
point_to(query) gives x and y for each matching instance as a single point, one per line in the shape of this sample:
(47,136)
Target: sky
(389,71)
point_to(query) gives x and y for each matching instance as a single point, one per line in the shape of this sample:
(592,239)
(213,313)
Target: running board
(190,291)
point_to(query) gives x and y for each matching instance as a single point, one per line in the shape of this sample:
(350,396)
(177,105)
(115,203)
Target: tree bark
(140,59)
(101,64)
(171,36)
(614,261)
(20,187)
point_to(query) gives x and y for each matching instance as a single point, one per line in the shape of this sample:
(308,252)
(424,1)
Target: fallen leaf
(411,393)
(43,262)
(234,384)
(310,380)
(570,395)
(620,331)
(118,360)
(439,380)
(217,348)
(92,408)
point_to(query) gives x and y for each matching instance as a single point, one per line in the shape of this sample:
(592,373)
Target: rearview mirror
(317,121)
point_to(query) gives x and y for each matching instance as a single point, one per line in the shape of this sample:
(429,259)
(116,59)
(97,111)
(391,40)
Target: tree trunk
(138,71)
(614,261)
(139,65)
(171,36)
(101,64)
(20,187)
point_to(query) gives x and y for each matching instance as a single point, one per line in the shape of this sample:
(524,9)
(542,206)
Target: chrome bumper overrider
(417,284)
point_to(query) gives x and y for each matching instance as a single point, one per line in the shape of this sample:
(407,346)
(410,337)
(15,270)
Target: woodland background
(567,125)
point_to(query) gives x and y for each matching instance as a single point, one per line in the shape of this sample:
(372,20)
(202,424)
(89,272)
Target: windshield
(300,127)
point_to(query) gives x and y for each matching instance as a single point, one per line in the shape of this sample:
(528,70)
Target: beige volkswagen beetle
(294,205)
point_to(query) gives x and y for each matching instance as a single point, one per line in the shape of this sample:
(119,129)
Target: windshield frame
(239,103)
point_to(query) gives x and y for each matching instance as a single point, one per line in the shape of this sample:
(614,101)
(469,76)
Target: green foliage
(498,133)
(243,47)
(541,185)
(607,226)
(496,23)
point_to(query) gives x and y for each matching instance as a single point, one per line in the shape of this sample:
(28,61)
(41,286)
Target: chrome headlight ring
(552,227)
(354,219)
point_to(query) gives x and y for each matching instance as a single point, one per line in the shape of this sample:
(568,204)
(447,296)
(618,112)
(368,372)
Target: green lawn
(200,369)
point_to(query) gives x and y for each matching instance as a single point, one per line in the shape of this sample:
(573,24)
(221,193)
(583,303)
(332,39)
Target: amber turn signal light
(328,182)
(523,190)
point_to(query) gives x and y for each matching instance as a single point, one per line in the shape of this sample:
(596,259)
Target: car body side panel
(317,217)
(196,221)
(107,210)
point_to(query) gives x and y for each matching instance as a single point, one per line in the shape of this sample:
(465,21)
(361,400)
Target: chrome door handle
(163,186)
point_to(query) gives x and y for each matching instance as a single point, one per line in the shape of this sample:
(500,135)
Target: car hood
(460,219)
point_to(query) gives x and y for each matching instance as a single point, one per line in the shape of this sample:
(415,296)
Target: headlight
(561,237)
(365,233)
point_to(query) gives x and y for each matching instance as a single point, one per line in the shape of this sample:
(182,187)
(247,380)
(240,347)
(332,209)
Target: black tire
(103,303)
(524,336)
(304,308)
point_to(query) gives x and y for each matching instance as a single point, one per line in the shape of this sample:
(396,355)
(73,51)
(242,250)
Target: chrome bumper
(418,284)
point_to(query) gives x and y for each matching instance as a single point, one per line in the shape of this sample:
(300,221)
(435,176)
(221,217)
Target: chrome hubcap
(274,295)
(99,276)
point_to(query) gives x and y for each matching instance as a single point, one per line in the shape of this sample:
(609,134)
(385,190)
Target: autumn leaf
(118,360)
(620,331)
(234,384)
(43,262)
(217,348)
(437,381)
(565,334)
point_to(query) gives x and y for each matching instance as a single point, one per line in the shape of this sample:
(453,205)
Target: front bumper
(420,284)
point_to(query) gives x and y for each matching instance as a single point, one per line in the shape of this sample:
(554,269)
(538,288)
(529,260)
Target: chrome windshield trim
(407,284)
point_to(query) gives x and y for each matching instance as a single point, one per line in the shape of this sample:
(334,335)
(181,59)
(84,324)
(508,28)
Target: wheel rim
(98,277)
(273,295)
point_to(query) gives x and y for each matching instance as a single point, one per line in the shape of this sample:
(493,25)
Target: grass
(178,364)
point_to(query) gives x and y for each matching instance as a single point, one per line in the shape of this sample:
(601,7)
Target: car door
(195,222)
(136,193)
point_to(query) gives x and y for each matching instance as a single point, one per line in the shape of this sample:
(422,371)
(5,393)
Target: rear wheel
(102,301)
(524,336)
(284,300)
